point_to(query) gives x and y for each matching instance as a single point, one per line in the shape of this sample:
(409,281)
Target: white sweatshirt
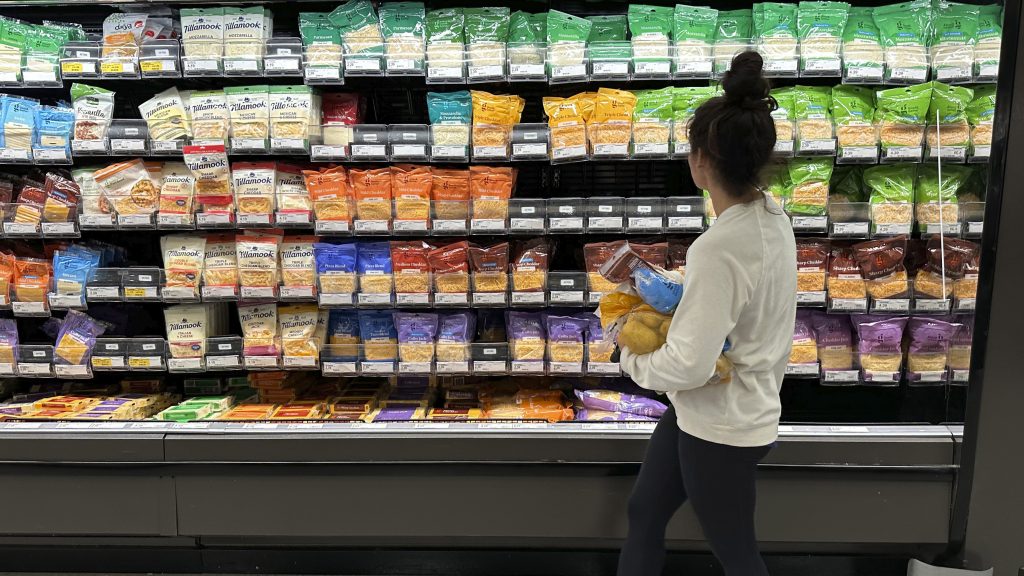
(740,284)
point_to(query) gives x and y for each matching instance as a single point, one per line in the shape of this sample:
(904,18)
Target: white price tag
(371,225)
(842,376)
(895,229)
(650,149)
(478,72)
(569,71)
(816,298)
(490,366)
(931,305)
(784,147)
(253,219)
(568,152)
(864,72)
(850,228)
(527,367)
(329,299)
(685,222)
(567,297)
(645,222)
(681,148)
(369,151)
(281,64)
(331,368)
(489,298)
(818,223)
(961,375)
(529,298)
(495,152)
(488,225)
(563,224)
(193,65)
(323,73)
(603,368)
(455,226)
(99,146)
(982,151)
(522,149)
(254,144)
(28,308)
(849,304)
(228,362)
(102,292)
(693,68)
(331,226)
(20,228)
(449,152)
(374,299)
(948,228)
(611,150)
(325,152)
(72,370)
(451,367)
(823,65)
(362,64)
(401,64)
(34,369)
(213,219)
(858,152)
(50,154)
(241,66)
(527,224)
(258,292)
(611,68)
(412,299)
(299,361)
(297,292)
(287,144)
(908,74)
(219,292)
(604,223)
(409,150)
(129,145)
(948,73)
(781,66)
(166,145)
(451,298)
(966,303)
(414,367)
(292,218)
(410,225)
(903,152)
(260,361)
(658,67)
(66,300)
(443,72)
(801,369)
(818,146)
(565,367)
(179,293)
(377,367)
(172,220)
(135,220)
(525,70)
(891,305)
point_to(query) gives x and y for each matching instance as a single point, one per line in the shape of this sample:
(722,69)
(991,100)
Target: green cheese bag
(567,39)
(651,30)
(982,109)
(903,29)
(853,109)
(988,40)
(812,109)
(525,47)
(487,25)
(403,25)
(820,26)
(784,114)
(685,101)
(775,30)
(779,186)
(446,25)
(607,40)
(693,31)
(810,180)
(949,108)
(359,27)
(862,45)
(732,36)
(954,31)
(847,184)
(891,183)
(902,114)
(930,190)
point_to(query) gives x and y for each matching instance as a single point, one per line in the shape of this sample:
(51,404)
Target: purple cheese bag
(590,415)
(456,328)
(566,329)
(524,325)
(832,330)
(802,331)
(930,335)
(621,402)
(964,335)
(415,328)
(594,333)
(880,334)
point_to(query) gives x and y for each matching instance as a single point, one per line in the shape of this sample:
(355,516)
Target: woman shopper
(739,286)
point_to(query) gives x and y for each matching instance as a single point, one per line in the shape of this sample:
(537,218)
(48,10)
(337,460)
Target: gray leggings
(720,482)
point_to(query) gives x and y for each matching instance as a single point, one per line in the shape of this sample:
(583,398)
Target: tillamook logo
(184,252)
(257,315)
(206,163)
(201,25)
(255,254)
(253,179)
(247,104)
(204,106)
(186,325)
(297,323)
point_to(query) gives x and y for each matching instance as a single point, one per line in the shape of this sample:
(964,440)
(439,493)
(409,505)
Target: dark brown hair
(736,131)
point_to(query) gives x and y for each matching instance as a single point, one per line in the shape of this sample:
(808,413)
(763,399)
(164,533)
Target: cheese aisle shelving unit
(260,258)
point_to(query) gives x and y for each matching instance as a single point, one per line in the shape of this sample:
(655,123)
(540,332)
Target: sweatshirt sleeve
(716,290)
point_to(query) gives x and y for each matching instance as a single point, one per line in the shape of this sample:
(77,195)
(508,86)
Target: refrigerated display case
(354,448)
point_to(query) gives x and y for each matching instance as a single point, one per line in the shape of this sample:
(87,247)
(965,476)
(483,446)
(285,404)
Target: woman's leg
(720,481)
(657,495)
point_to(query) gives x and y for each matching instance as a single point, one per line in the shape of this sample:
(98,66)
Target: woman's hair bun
(745,82)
